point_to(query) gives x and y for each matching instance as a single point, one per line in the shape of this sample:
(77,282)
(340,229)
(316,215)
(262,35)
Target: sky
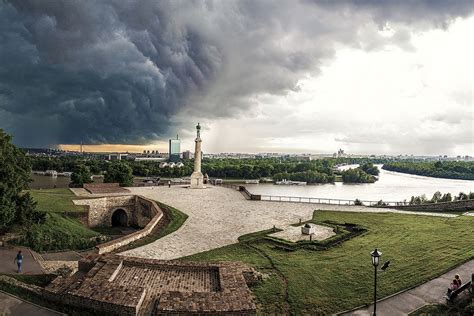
(370,77)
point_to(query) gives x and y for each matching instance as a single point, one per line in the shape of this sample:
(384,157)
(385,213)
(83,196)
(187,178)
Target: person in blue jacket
(19,260)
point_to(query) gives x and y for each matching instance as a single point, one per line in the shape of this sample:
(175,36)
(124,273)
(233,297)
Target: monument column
(197,179)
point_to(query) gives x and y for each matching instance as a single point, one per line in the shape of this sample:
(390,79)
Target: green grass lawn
(56,200)
(419,248)
(59,231)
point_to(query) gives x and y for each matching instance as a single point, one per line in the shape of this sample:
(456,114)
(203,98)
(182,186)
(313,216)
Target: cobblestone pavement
(218,216)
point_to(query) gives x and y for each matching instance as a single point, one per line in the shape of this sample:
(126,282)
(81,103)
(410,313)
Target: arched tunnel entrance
(119,218)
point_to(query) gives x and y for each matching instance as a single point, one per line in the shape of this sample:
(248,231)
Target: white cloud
(388,100)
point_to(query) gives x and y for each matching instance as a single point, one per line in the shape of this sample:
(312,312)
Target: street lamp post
(375,262)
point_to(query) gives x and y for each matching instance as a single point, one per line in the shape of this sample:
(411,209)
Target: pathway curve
(12,305)
(218,216)
(431,292)
(8,266)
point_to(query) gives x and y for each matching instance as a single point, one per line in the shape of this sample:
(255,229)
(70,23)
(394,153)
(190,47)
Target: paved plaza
(218,216)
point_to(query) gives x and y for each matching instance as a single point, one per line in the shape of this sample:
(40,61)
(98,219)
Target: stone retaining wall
(143,209)
(139,210)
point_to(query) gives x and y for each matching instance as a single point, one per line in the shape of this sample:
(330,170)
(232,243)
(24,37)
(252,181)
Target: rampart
(140,212)
(129,286)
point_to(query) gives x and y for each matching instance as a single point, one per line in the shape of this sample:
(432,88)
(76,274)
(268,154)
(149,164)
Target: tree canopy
(15,171)
(119,172)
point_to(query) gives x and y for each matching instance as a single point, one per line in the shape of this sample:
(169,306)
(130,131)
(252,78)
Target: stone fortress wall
(118,285)
(140,212)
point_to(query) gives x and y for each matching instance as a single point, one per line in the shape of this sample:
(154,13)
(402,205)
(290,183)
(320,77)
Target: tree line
(316,171)
(439,169)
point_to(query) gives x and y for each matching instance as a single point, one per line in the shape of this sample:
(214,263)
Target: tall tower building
(175,149)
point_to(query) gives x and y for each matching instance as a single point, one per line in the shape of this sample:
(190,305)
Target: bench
(455,293)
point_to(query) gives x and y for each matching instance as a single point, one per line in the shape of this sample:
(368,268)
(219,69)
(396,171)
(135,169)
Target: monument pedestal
(197,180)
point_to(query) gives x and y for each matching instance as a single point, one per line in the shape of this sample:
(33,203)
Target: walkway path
(431,292)
(11,305)
(8,266)
(218,216)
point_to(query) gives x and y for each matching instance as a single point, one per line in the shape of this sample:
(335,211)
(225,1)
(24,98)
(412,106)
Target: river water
(48,182)
(391,186)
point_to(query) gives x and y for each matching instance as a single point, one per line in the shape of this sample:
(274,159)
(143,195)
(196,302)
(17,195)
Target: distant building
(174,149)
(117,156)
(187,155)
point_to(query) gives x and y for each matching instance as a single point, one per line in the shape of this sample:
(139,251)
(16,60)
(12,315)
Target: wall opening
(119,218)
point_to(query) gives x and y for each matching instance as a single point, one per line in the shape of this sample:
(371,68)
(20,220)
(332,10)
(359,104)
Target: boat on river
(252,181)
(289,182)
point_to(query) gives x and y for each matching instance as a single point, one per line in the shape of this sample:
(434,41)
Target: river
(391,186)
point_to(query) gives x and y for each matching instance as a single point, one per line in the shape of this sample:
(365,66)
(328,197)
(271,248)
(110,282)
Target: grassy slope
(59,232)
(419,248)
(55,200)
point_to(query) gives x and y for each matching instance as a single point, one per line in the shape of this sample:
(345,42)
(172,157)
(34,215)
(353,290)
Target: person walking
(19,261)
(169,183)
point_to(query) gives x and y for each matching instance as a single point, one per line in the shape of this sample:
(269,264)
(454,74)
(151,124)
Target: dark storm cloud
(119,71)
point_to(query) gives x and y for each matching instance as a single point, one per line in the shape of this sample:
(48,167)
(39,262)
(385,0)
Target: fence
(301,199)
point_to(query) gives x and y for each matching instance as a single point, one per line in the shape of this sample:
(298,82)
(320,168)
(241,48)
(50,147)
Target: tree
(436,197)
(82,174)
(370,169)
(15,171)
(27,213)
(119,172)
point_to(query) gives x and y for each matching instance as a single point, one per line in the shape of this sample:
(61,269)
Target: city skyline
(301,77)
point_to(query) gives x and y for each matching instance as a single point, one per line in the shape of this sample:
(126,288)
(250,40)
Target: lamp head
(376,254)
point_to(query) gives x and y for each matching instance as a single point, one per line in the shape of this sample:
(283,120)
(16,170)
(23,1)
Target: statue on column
(197,179)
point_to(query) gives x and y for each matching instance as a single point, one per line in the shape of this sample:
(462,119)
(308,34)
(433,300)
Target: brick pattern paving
(99,188)
(130,286)
(160,279)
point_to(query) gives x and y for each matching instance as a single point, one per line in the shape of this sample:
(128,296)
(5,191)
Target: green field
(306,281)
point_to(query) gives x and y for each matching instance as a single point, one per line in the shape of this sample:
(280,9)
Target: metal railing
(302,199)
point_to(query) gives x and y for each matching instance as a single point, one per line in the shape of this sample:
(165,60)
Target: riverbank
(462,170)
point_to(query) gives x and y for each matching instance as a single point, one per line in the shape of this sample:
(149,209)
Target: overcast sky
(261,76)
